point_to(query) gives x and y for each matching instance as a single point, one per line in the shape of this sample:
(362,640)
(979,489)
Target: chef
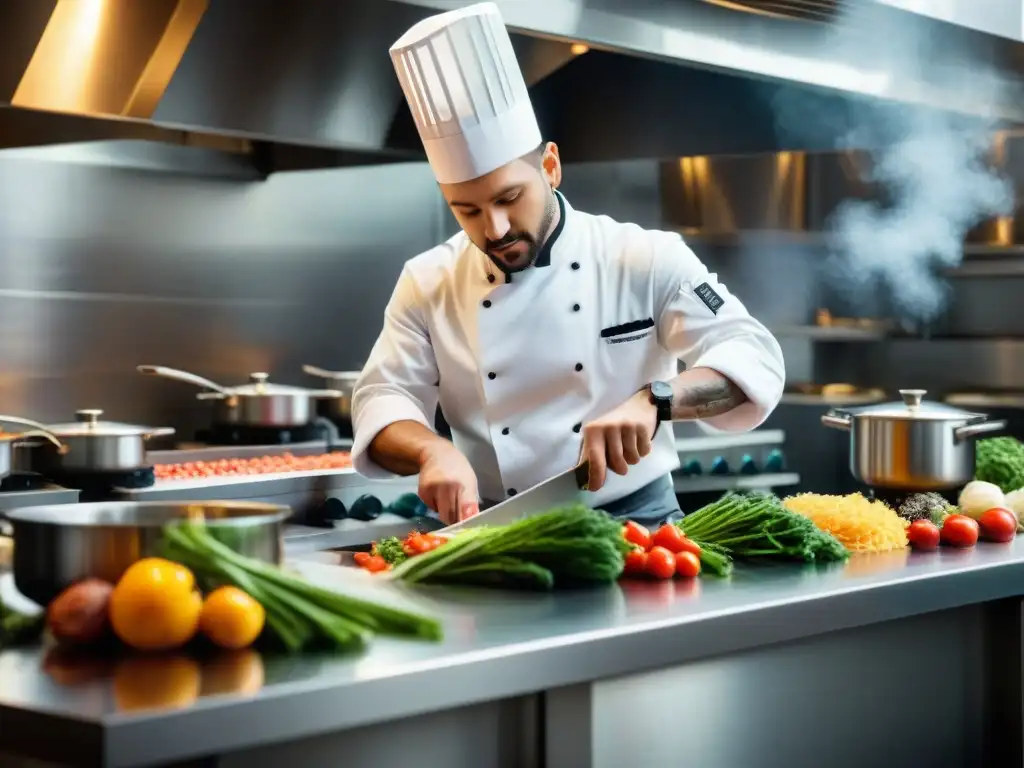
(548,335)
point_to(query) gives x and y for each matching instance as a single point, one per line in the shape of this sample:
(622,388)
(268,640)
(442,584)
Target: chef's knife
(564,488)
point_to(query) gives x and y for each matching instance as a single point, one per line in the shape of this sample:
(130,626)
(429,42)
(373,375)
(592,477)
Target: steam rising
(932,167)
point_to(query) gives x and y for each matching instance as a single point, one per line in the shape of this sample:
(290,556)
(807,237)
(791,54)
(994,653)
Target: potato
(78,615)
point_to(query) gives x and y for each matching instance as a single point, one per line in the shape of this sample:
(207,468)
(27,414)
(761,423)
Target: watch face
(660,390)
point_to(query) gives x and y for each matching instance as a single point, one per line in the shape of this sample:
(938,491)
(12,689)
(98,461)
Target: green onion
(299,614)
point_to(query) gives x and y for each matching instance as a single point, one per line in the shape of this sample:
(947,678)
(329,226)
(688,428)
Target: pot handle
(37,430)
(976,430)
(158,432)
(183,376)
(46,435)
(320,373)
(836,422)
(324,394)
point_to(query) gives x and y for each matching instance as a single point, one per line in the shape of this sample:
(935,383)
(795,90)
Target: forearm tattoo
(706,399)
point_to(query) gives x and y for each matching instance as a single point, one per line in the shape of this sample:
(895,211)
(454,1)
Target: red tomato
(635,533)
(669,537)
(661,563)
(998,524)
(636,563)
(687,565)
(361,558)
(376,563)
(418,544)
(959,531)
(924,535)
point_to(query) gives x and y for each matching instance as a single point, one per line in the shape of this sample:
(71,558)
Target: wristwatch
(660,393)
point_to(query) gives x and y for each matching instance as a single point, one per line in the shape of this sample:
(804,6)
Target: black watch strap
(660,394)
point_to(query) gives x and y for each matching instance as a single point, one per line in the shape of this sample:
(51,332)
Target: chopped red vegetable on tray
(259,465)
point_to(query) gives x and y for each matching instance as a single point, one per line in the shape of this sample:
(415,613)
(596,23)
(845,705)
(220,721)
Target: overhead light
(578,49)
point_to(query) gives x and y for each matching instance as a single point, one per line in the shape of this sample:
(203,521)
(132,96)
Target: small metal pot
(57,545)
(257,404)
(912,445)
(8,440)
(338,409)
(92,445)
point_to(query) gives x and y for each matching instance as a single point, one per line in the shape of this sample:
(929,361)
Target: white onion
(978,497)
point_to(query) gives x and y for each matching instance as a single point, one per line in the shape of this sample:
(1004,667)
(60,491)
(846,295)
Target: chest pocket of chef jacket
(628,345)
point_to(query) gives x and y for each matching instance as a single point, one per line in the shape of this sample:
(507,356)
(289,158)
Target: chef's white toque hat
(466,92)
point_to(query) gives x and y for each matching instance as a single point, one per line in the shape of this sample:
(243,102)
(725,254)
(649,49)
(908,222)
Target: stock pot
(912,444)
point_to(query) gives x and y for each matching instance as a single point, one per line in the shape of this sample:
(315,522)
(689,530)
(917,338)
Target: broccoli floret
(1000,460)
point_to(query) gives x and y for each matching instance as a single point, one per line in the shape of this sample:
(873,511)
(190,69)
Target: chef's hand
(448,483)
(619,439)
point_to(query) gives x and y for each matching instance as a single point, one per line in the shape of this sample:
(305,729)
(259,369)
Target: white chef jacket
(520,363)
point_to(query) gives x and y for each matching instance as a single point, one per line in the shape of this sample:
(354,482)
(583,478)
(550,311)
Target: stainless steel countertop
(498,645)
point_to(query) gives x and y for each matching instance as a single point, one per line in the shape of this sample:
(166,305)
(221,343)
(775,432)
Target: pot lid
(914,407)
(87,422)
(259,386)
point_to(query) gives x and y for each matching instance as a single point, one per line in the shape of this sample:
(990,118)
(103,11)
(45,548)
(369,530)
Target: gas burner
(22,481)
(242,435)
(98,486)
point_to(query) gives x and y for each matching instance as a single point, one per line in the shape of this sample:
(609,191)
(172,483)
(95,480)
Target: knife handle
(583,475)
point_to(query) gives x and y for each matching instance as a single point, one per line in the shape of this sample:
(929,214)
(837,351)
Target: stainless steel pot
(8,441)
(55,546)
(339,409)
(257,404)
(92,445)
(912,445)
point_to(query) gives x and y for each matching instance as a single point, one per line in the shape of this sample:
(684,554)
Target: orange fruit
(156,682)
(155,605)
(231,618)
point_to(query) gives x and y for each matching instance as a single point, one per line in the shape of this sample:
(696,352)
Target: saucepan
(338,409)
(92,445)
(8,440)
(256,404)
(913,444)
(57,545)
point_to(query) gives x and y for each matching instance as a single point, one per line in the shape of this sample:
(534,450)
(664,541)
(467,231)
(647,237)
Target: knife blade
(563,488)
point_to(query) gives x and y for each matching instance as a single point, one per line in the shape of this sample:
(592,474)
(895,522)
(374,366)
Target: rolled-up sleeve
(705,326)
(400,379)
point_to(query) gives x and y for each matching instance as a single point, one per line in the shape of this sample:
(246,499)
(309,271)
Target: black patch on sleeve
(711,299)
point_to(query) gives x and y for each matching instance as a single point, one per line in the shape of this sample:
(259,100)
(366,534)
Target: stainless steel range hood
(308,83)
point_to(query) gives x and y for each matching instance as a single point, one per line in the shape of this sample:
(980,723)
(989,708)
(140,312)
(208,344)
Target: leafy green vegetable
(300,614)
(566,545)
(19,628)
(757,525)
(1000,460)
(391,550)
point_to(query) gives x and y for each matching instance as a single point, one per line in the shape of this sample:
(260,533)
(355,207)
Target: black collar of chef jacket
(544,257)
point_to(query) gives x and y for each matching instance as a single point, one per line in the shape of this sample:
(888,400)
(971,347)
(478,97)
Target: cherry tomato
(687,565)
(376,563)
(661,564)
(959,531)
(361,558)
(636,562)
(635,533)
(669,537)
(923,535)
(418,544)
(998,524)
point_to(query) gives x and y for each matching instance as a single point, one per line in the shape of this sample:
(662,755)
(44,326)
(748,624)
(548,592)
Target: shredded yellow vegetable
(861,525)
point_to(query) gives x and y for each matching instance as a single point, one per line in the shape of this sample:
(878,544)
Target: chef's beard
(533,241)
